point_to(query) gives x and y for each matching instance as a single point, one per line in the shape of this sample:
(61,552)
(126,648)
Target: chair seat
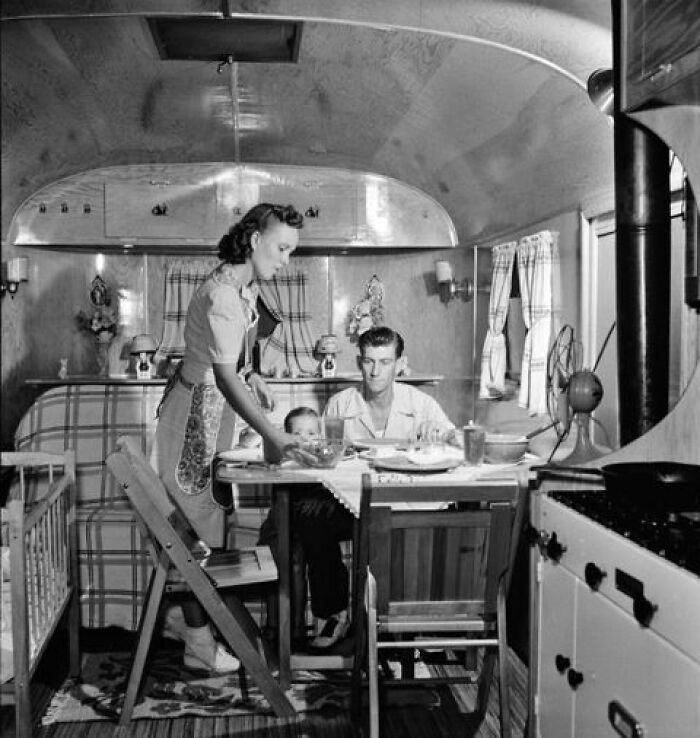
(231,568)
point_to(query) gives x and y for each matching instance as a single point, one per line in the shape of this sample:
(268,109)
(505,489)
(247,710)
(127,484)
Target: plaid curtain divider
(182,278)
(289,349)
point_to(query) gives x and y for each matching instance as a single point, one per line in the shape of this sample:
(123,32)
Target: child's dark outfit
(315,537)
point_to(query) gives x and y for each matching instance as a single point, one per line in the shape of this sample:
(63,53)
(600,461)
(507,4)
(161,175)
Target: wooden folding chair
(43,569)
(178,566)
(435,578)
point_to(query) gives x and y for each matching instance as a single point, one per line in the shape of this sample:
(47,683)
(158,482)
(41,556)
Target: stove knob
(554,548)
(574,678)
(562,663)
(643,610)
(532,535)
(593,575)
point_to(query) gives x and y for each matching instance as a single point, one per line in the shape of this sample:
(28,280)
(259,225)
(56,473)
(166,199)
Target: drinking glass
(474,443)
(334,428)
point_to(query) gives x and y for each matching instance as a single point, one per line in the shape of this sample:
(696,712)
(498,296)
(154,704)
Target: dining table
(244,466)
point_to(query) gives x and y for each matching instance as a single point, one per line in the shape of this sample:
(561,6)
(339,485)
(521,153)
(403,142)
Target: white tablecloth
(344,481)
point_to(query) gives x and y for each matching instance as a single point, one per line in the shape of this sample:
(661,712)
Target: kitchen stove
(617,606)
(674,536)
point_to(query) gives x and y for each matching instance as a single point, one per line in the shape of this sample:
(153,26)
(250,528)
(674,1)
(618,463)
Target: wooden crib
(39,527)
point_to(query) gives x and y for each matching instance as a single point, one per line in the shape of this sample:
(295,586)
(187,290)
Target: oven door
(631,677)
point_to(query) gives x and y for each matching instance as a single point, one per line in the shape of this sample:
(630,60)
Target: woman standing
(197,414)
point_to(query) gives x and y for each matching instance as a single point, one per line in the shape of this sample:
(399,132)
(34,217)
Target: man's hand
(429,432)
(264,396)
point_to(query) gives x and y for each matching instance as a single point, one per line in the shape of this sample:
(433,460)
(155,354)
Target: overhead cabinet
(160,210)
(186,208)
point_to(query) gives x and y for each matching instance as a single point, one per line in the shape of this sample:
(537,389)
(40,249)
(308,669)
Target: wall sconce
(14,271)
(144,346)
(448,286)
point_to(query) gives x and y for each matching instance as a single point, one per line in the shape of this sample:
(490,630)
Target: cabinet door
(330,212)
(556,639)
(632,671)
(174,211)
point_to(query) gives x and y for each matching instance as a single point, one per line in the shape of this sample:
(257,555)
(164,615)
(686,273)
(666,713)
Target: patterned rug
(170,690)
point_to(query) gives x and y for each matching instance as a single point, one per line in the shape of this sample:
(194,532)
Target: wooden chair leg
(360,635)
(485,678)
(503,662)
(372,657)
(146,628)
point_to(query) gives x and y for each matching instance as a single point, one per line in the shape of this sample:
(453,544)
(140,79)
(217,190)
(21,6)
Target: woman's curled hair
(235,246)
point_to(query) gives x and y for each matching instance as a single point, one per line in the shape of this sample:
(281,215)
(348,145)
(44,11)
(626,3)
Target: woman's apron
(194,423)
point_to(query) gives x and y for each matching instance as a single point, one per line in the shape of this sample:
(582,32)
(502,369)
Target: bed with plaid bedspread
(89,418)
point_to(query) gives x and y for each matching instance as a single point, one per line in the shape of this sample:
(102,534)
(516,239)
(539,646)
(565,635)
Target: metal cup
(474,443)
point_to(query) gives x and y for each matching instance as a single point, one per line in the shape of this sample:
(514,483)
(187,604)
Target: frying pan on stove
(666,485)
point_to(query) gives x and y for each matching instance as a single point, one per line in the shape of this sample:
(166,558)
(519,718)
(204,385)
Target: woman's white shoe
(222,661)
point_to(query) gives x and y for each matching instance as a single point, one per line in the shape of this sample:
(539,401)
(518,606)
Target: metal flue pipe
(643,265)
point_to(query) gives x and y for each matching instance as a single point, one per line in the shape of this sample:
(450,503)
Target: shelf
(431,379)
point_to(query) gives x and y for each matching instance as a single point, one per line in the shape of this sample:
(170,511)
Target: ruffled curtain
(289,349)
(182,278)
(538,270)
(493,357)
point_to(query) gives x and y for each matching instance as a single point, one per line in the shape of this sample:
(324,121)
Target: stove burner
(674,536)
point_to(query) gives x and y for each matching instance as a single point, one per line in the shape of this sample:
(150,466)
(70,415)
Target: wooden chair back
(437,556)
(450,559)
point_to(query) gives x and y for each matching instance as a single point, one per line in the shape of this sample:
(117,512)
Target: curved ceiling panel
(499,138)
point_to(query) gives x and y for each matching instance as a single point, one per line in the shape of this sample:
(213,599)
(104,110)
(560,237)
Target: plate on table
(367,444)
(403,464)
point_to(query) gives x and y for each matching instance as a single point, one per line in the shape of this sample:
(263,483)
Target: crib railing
(43,568)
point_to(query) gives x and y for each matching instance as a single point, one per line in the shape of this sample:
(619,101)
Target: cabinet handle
(593,575)
(574,678)
(624,723)
(562,663)
(554,548)
(643,610)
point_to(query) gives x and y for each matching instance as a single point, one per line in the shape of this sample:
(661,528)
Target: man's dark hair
(298,412)
(381,335)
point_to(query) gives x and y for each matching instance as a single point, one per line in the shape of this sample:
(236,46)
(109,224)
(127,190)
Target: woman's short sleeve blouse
(218,318)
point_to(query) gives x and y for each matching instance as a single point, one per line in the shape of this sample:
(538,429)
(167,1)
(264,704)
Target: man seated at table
(378,408)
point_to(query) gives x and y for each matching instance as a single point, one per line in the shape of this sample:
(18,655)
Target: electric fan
(573,393)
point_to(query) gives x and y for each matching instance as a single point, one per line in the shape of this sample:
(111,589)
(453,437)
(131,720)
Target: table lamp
(328,348)
(144,346)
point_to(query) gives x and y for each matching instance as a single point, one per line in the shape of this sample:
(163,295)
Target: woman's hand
(275,445)
(264,396)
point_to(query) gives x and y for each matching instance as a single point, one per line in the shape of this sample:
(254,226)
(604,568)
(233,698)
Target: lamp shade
(328,344)
(443,271)
(600,90)
(144,343)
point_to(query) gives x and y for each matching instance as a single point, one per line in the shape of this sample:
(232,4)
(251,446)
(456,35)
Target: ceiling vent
(217,39)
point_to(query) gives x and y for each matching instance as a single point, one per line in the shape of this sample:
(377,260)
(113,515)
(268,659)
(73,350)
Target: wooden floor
(403,715)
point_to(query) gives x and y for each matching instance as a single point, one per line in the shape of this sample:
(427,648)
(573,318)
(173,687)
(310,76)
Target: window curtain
(182,277)
(538,272)
(493,357)
(288,351)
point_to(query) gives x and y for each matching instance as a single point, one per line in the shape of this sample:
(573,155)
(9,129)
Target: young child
(311,506)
